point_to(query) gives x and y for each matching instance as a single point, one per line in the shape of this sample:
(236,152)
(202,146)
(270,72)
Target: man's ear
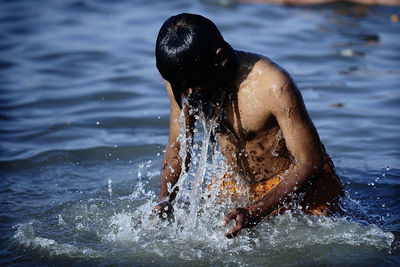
(220,57)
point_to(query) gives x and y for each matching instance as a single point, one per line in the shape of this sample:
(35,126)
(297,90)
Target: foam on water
(108,224)
(283,236)
(27,236)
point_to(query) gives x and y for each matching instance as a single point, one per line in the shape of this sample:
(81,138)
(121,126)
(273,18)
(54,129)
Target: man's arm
(172,162)
(302,141)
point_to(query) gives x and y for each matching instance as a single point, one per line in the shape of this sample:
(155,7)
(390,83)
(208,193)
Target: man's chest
(247,122)
(256,151)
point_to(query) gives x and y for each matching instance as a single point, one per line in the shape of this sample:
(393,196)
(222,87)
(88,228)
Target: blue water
(84,122)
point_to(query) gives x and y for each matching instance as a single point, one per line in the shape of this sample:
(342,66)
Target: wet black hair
(186,54)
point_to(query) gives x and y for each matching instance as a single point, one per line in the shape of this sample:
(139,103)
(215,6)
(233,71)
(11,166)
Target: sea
(84,123)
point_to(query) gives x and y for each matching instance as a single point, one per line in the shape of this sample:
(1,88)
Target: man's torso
(254,145)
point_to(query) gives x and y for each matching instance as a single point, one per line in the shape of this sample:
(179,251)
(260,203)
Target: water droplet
(61,220)
(109,187)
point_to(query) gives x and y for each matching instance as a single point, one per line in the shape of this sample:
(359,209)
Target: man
(264,130)
(318,2)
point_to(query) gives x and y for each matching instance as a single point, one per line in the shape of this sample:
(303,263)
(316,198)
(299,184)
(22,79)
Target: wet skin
(265,129)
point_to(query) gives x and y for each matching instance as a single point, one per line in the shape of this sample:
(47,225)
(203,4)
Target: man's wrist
(254,212)
(257,210)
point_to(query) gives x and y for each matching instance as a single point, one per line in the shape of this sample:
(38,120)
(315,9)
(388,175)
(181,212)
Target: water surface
(84,123)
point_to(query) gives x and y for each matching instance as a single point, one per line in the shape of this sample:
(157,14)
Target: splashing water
(198,181)
(187,204)
(109,188)
(113,225)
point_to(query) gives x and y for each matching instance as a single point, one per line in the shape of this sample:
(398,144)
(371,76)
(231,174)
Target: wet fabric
(319,198)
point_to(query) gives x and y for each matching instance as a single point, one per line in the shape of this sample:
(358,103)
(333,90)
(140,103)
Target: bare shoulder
(272,75)
(272,84)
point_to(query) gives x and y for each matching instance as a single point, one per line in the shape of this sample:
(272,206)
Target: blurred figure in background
(316,2)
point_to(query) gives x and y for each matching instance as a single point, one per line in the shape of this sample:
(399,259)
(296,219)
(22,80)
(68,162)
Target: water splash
(279,137)
(97,228)
(109,187)
(127,235)
(199,178)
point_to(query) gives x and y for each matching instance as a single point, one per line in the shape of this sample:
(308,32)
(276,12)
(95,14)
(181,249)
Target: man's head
(194,58)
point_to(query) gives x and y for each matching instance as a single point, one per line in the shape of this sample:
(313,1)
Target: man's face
(195,96)
(202,99)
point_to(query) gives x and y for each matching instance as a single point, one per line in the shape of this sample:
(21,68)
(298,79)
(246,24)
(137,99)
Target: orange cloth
(318,199)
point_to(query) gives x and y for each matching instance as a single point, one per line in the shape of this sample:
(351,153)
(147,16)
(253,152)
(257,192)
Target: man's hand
(164,209)
(243,218)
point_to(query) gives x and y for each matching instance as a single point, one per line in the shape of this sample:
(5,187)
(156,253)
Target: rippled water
(84,122)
